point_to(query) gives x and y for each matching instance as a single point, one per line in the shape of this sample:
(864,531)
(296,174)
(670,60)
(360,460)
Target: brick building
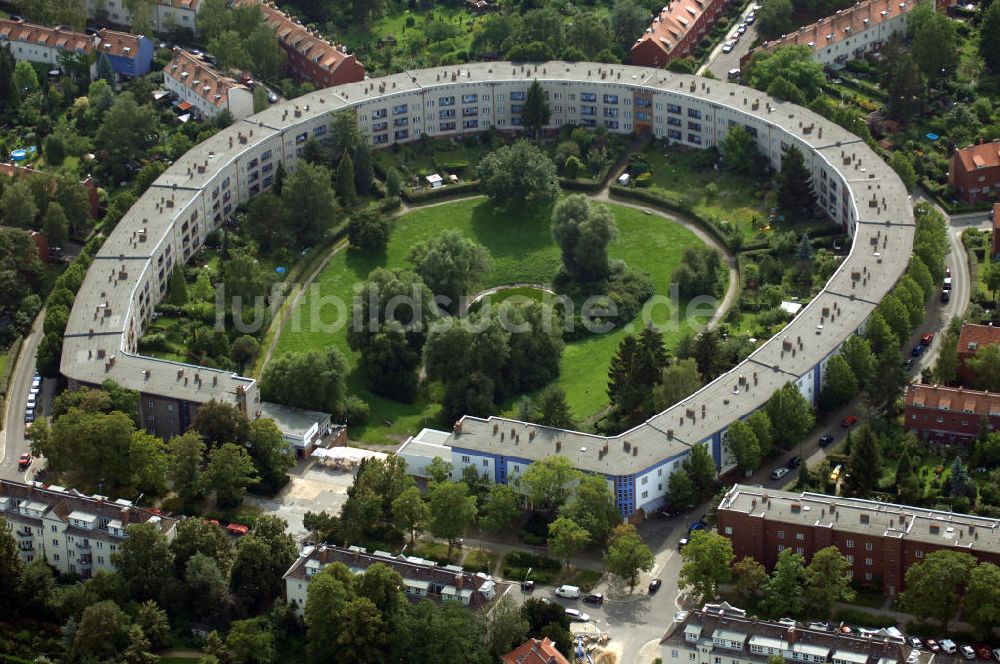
(880,540)
(949,414)
(970,340)
(535,651)
(675,31)
(310,56)
(996,231)
(975,172)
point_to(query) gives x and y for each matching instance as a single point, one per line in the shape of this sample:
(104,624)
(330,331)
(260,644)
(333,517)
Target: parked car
(237,529)
(918,350)
(908,364)
(932,645)
(945,296)
(927,339)
(968,652)
(947,283)
(594,598)
(728,46)
(778,473)
(751,17)
(654,585)
(741,28)
(32,400)
(983,651)
(569,592)
(825,440)
(577,615)
(36,381)
(696,525)
(24,461)
(948,646)
(271,97)
(795,462)
(915,643)
(682,543)
(848,421)
(527,586)
(29,414)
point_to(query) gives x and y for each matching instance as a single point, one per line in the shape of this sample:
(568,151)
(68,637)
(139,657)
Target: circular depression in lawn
(523,252)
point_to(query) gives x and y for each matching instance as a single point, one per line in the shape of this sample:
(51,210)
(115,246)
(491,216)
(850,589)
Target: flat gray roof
(295,421)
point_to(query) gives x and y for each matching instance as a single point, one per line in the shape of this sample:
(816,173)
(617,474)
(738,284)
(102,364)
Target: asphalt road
(720,63)
(12,440)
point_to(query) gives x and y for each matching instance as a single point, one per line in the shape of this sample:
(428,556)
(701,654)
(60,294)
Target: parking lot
(312,487)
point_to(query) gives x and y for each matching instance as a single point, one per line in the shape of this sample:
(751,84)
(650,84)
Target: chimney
(457,428)
(459,580)
(790,636)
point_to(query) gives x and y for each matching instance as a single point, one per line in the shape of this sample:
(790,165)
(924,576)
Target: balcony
(83,545)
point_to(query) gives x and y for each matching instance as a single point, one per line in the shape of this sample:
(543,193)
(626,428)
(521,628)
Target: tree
(369,231)
(219,422)
(708,559)
(18,204)
(783,89)
(519,173)
(627,555)
(410,513)
(315,204)
(55,150)
(678,380)
(346,192)
(260,100)
(566,538)
(270,453)
(989,37)
(148,458)
(229,472)
(126,128)
(749,579)
(197,537)
(839,384)
(783,593)
(593,508)
(857,352)
(864,465)
(230,51)
(25,77)
(244,350)
(451,265)
(903,82)
(548,482)
(904,169)
(55,226)
(986,366)
(252,641)
(739,151)
(629,388)
(262,558)
(775,18)
(583,230)
(506,628)
(795,191)
(982,598)
(143,560)
(312,380)
(186,454)
(933,585)
(177,294)
(452,512)
(827,579)
(535,113)
(934,45)
(268,220)
(790,408)
(946,367)
(681,493)
(879,335)
(743,443)
(700,467)
(698,273)
(103,632)
(500,510)
(266,54)
(628,19)
(553,411)
(9,93)
(887,382)
(10,567)
(793,63)
(439,470)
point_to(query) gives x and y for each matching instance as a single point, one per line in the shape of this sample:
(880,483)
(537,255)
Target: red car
(24,461)
(237,529)
(848,421)
(927,339)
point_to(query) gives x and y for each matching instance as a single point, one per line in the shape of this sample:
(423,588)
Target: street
(720,63)
(12,440)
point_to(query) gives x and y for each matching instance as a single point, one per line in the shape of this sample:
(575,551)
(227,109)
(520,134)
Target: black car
(596,598)
(654,585)
(945,296)
(795,462)
(825,440)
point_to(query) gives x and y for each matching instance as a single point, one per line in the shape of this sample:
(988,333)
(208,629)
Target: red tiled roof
(534,651)
(977,335)
(180,4)
(984,155)
(121,44)
(19,31)
(674,21)
(959,399)
(296,36)
(205,81)
(843,24)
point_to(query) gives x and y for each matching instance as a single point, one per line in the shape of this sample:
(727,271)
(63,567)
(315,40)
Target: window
(588,110)
(729,530)
(694,126)
(56,557)
(54,529)
(470,99)
(610,99)
(800,536)
(694,113)
(673,108)
(446,101)
(645,480)
(694,138)
(301,138)
(868,561)
(55,542)
(868,576)
(918,554)
(517,96)
(868,546)
(611,112)
(486,463)
(850,544)
(588,96)
(850,559)
(447,113)
(379,114)
(516,108)
(400,109)
(465,458)
(447,126)
(781,547)
(645,494)
(517,467)
(674,122)
(673,653)
(265,156)
(781,534)
(674,134)
(800,551)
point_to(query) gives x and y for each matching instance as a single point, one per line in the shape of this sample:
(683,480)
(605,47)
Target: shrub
(644,180)
(355,411)
(865,618)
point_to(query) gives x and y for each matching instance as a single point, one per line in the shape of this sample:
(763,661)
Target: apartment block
(880,540)
(723,634)
(950,414)
(73,532)
(44,45)
(675,31)
(202,88)
(167,17)
(422,579)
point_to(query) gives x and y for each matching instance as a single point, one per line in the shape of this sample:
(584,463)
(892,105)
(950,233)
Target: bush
(644,180)
(355,411)
(864,618)
(543,569)
(155,341)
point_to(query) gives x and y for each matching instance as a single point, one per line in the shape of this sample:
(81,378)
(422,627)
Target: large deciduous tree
(707,563)
(933,585)
(788,407)
(312,380)
(827,579)
(627,555)
(451,265)
(583,230)
(452,512)
(315,204)
(519,173)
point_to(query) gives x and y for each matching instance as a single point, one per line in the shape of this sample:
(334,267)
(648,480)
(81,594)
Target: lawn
(443,156)
(523,252)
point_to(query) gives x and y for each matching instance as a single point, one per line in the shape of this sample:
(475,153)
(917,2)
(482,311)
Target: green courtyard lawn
(443,156)
(523,252)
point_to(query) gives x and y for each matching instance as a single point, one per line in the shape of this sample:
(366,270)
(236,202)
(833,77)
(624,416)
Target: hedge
(446,191)
(587,185)
(652,198)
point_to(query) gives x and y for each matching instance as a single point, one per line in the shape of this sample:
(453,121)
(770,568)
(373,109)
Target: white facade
(238,99)
(168,15)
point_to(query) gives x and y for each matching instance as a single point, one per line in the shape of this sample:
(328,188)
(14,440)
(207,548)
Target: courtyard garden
(520,242)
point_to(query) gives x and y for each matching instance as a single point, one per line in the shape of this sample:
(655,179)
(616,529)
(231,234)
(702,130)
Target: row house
(44,45)
(204,89)
(675,32)
(974,172)
(129,55)
(950,414)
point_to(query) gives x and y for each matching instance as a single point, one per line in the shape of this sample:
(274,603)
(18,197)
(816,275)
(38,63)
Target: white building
(75,533)
(720,633)
(847,34)
(422,579)
(37,43)
(204,89)
(167,16)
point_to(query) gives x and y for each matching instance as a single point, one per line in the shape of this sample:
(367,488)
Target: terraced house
(675,31)
(44,45)
(73,532)
(204,89)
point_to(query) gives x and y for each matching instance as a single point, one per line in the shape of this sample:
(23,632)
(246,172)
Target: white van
(948,646)
(569,592)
